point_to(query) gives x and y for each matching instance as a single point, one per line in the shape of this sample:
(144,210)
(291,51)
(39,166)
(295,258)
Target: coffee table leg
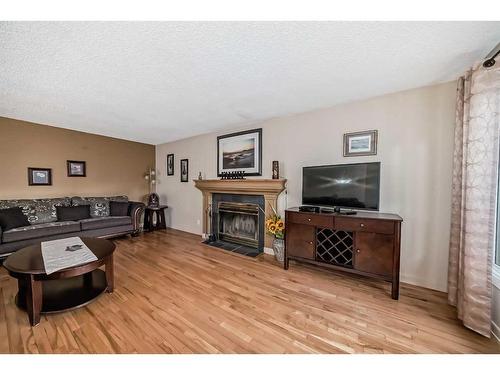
(33,299)
(110,278)
(21,291)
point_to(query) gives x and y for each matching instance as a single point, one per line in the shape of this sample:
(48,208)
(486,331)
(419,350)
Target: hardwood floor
(176,295)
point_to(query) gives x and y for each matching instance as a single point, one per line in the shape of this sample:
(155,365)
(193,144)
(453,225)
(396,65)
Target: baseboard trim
(418,281)
(495,330)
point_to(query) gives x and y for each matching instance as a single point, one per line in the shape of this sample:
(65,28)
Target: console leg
(395,289)
(285,263)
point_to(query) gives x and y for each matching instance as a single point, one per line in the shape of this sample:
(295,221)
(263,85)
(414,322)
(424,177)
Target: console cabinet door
(374,253)
(300,241)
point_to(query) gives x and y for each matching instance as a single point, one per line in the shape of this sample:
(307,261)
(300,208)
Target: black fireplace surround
(237,223)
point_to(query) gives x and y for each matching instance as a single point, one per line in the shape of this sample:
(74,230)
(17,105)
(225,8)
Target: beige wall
(415,149)
(113,166)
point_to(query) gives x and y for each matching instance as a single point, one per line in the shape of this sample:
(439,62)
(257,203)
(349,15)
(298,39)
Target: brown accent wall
(114,166)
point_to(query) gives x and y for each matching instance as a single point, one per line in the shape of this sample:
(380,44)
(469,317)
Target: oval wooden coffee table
(62,290)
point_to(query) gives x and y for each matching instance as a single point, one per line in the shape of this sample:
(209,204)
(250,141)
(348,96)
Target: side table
(150,211)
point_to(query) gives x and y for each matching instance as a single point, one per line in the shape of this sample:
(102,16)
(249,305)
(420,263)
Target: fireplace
(260,191)
(238,223)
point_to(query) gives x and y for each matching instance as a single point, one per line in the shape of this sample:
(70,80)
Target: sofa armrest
(0,234)
(135,210)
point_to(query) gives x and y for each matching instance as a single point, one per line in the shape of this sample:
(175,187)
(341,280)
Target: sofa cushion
(12,218)
(104,222)
(99,206)
(40,230)
(73,213)
(118,208)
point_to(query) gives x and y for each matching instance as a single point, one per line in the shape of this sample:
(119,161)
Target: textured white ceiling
(156,82)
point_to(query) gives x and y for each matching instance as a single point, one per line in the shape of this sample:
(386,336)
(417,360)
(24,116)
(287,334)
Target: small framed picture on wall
(170,164)
(361,143)
(76,168)
(39,176)
(184,170)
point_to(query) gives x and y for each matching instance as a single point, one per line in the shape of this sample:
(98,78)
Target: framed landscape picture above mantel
(240,151)
(361,143)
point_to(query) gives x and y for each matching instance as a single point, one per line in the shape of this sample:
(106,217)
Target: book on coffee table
(64,253)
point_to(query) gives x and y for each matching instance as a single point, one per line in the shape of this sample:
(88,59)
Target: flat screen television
(355,186)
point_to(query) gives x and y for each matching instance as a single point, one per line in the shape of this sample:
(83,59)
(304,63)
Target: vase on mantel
(279,249)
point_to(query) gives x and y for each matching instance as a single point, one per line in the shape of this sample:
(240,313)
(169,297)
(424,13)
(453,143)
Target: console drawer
(318,220)
(364,225)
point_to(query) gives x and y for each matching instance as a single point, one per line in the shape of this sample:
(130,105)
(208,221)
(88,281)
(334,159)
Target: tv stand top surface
(359,214)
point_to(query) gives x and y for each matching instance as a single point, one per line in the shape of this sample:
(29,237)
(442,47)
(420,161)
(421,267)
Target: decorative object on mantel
(361,143)
(276,228)
(276,170)
(170,164)
(153,200)
(237,175)
(39,176)
(76,168)
(150,177)
(184,170)
(200,177)
(240,151)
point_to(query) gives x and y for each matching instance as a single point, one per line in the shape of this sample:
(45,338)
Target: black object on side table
(149,224)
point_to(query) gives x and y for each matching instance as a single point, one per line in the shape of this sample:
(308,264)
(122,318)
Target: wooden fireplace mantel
(269,188)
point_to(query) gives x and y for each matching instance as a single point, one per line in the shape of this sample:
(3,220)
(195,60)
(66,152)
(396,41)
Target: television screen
(343,185)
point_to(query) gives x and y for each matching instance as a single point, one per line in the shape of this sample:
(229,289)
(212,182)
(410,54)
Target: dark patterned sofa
(41,214)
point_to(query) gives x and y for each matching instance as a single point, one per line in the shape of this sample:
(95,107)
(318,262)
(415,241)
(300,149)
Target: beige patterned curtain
(475,179)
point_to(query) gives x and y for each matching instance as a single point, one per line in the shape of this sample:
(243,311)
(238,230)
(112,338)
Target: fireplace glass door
(239,223)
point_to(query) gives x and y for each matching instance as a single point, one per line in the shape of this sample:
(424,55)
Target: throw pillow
(45,209)
(73,213)
(118,208)
(13,217)
(26,206)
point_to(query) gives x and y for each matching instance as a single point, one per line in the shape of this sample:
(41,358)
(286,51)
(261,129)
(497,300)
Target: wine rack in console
(334,247)
(367,243)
